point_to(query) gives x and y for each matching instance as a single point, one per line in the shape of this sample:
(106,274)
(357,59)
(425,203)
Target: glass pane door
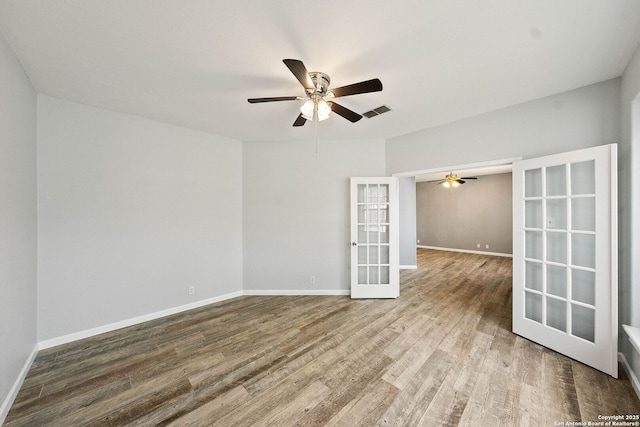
(374,238)
(565,254)
(373,234)
(560,247)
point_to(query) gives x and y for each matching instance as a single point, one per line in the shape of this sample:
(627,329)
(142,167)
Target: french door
(565,289)
(374,238)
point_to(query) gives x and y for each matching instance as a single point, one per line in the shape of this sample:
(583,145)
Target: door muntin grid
(373,242)
(559,248)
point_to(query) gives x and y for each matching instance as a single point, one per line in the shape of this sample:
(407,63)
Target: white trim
(13,392)
(459,167)
(408,267)
(133,321)
(295,292)
(468,251)
(632,376)
(163,313)
(634,336)
(613,253)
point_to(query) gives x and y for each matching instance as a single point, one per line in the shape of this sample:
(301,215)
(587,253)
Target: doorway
(407,195)
(565,247)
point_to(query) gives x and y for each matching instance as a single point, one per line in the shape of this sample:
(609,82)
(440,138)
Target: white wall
(131,213)
(18,232)
(580,118)
(296,212)
(629,204)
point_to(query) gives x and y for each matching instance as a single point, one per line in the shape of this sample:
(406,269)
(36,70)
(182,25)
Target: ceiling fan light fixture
(323,110)
(452,180)
(311,107)
(307,109)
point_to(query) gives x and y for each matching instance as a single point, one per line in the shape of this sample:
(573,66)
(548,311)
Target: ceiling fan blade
(300,71)
(277,98)
(459,181)
(468,177)
(300,121)
(441,182)
(373,85)
(352,116)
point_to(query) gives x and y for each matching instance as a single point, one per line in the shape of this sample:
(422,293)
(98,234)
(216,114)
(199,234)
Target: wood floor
(441,354)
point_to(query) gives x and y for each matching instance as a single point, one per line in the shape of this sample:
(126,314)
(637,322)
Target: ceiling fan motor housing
(321,82)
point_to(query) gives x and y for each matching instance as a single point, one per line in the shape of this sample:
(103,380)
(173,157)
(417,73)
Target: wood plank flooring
(440,355)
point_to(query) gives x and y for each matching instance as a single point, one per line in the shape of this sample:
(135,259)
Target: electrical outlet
(418,241)
(192,290)
(312,279)
(486,246)
(478,245)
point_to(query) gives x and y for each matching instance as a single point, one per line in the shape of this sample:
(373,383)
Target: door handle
(354,244)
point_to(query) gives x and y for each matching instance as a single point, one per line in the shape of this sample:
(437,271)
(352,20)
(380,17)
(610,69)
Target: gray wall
(477,212)
(593,115)
(629,207)
(18,232)
(296,212)
(580,118)
(131,213)
(407,203)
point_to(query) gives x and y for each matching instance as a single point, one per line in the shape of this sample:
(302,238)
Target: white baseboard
(134,321)
(8,401)
(11,397)
(632,376)
(467,251)
(152,316)
(287,292)
(6,405)
(408,267)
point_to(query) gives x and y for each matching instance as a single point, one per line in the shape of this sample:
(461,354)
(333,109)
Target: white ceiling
(195,63)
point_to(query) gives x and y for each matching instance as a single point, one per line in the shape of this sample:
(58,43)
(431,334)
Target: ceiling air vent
(376,111)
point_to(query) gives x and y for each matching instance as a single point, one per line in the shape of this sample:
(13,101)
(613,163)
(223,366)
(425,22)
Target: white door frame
(445,169)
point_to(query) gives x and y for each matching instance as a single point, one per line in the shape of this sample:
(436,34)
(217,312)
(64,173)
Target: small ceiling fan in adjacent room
(318,99)
(452,180)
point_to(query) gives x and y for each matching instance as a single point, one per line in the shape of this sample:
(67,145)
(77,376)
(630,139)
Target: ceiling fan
(452,180)
(318,97)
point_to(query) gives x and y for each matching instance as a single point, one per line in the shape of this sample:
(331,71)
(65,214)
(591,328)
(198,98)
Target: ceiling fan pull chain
(316,126)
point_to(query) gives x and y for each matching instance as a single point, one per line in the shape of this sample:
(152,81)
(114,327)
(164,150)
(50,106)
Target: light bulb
(323,110)
(446,184)
(455,183)
(307,109)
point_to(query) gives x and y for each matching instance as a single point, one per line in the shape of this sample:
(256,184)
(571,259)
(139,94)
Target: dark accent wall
(478,212)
